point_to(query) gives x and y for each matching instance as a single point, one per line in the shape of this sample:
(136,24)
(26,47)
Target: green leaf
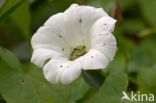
(29,86)
(146,80)
(118,65)
(8,4)
(147,32)
(148,10)
(78,89)
(109,4)
(9,58)
(9,7)
(26,84)
(111,90)
(125,4)
(124,44)
(132,26)
(143,56)
(106,4)
(21,17)
(2,3)
(93,77)
(148,47)
(43,9)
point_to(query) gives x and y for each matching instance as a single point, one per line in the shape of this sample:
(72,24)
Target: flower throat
(77,52)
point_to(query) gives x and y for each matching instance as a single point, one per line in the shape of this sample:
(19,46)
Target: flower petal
(72,70)
(93,60)
(40,55)
(102,38)
(61,33)
(106,44)
(79,19)
(52,70)
(52,36)
(61,71)
(105,24)
(56,23)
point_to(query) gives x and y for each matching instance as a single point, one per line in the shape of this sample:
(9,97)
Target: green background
(133,68)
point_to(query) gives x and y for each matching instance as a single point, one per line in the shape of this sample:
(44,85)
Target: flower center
(77,52)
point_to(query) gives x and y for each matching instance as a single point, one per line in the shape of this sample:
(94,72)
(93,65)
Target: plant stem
(94,78)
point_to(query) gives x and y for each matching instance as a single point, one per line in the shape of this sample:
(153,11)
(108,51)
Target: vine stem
(94,78)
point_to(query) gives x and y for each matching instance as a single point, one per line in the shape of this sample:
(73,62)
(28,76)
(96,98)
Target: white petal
(56,23)
(79,19)
(40,55)
(106,44)
(102,39)
(78,25)
(72,70)
(52,36)
(52,70)
(61,71)
(46,38)
(103,25)
(93,60)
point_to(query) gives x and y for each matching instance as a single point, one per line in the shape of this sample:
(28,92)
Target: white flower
(61,33)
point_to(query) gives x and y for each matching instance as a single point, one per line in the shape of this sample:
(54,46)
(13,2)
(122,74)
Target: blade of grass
(12,9)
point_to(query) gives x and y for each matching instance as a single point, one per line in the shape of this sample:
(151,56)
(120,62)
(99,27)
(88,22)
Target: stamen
(77,52)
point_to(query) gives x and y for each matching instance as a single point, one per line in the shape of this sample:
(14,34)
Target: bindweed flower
(78,39)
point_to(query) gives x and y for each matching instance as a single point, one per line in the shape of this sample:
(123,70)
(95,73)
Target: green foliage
(106,4)
(118,65)
(42,10)
(29,86)
(145,80)
(9,7)
(148,10)
(9,58)
(111,90)
(133,26)
(26,84)
(133,67)
(21,17)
